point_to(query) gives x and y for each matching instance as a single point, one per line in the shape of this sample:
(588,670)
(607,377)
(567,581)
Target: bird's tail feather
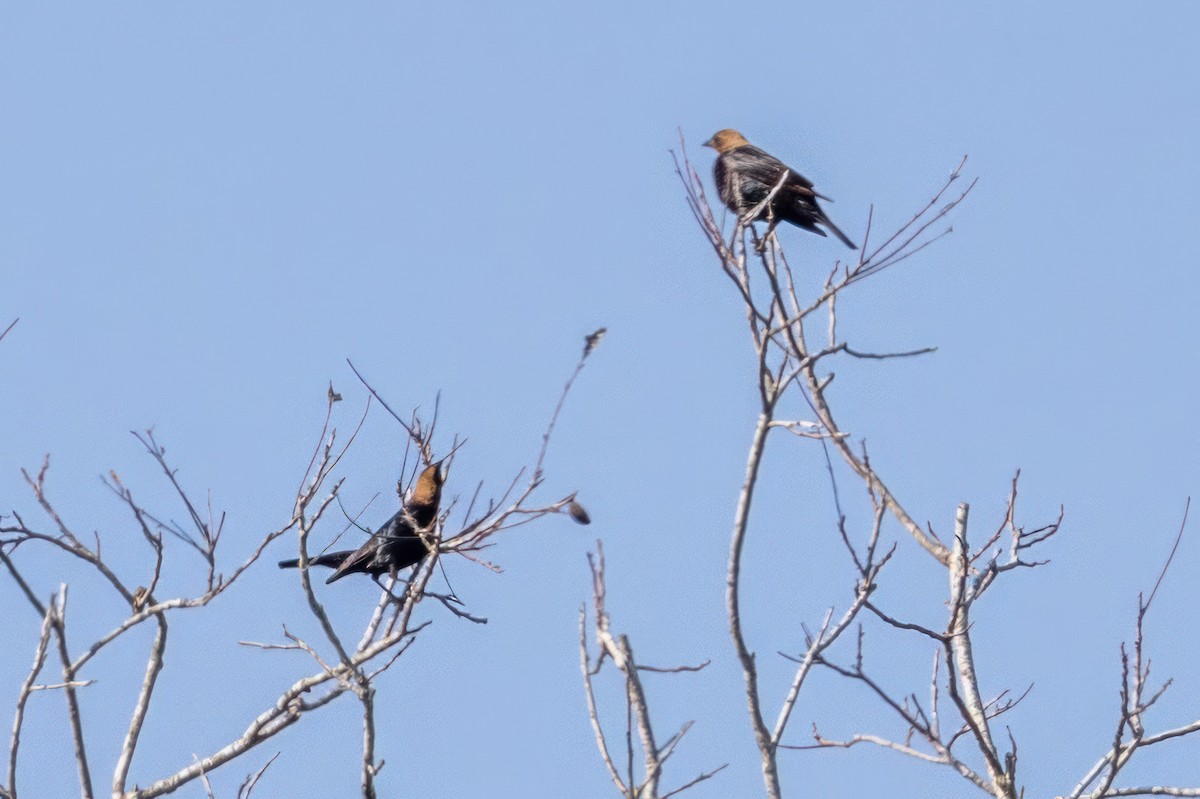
(331,559)
(834,229)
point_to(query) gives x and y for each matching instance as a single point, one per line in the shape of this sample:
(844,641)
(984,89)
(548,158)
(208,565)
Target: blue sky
(205,210)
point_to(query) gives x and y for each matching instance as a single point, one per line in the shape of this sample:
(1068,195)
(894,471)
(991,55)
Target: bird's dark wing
(394,546)
(746,175)
(366,559)
(762,167)
(405,551)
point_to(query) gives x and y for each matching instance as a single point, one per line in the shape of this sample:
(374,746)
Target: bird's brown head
(427,494)
(725,140)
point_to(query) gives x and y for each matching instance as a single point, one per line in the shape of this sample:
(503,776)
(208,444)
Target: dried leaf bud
(590,342)
(578,513)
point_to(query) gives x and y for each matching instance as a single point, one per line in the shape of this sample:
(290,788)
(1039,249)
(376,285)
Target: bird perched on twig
(395,546)
(746,176)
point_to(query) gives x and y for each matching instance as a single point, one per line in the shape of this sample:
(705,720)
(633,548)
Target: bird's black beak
(710,143)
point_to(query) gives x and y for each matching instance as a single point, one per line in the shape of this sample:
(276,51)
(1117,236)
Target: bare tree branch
(1137,697)
(785,363)
(39,659)
(11,325)
(616,649)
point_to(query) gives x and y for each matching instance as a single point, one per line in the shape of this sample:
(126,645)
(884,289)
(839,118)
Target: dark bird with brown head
(746,176)
(398,543)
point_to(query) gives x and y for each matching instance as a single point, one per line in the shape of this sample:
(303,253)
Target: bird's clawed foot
(760,244)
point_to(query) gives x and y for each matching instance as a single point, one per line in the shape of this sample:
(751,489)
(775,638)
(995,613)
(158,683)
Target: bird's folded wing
(761,167)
